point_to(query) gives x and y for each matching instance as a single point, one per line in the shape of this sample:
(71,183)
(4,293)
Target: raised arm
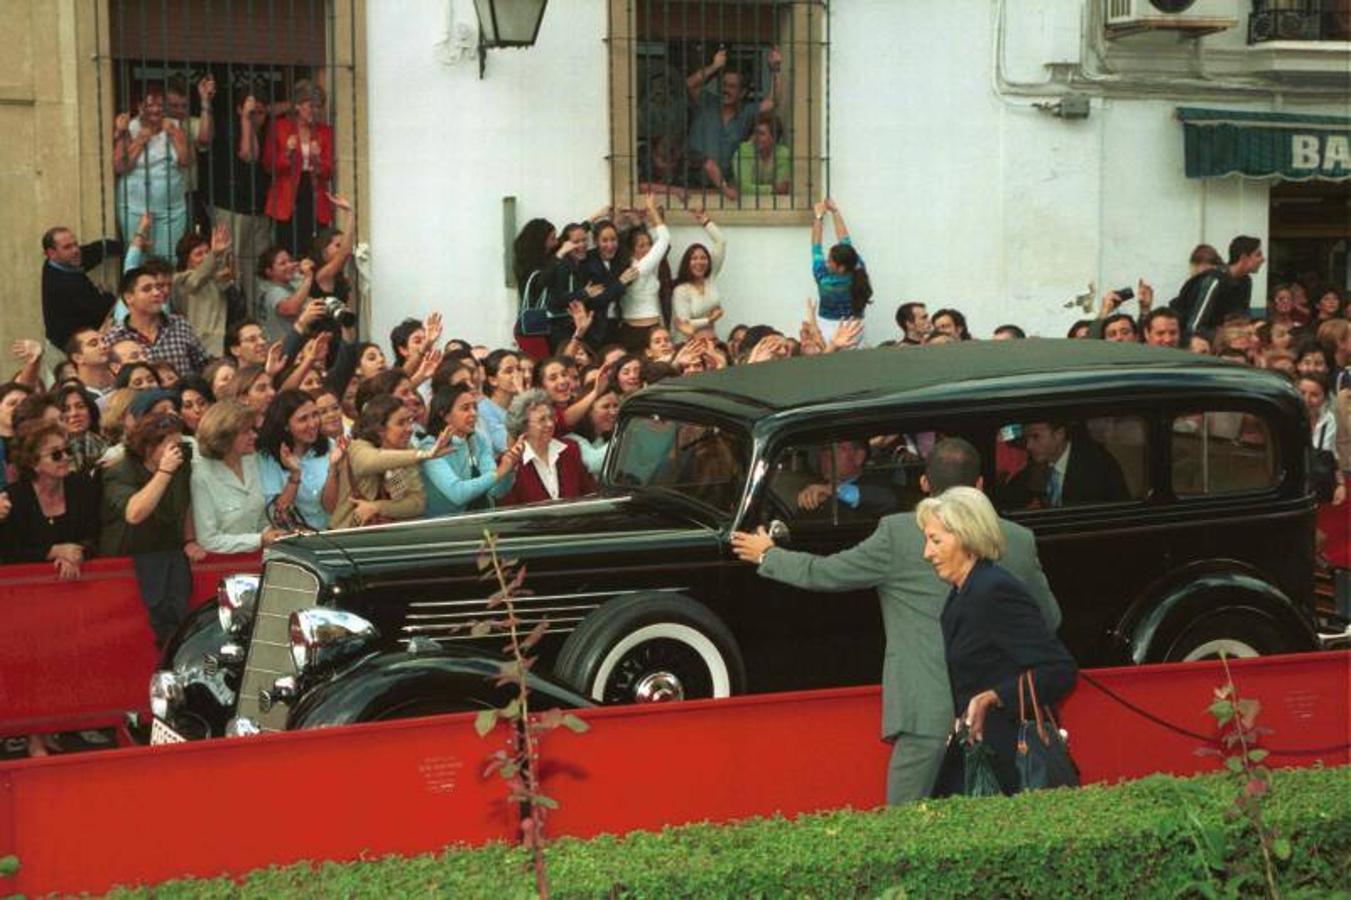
(206,90)
(330,269)
(696,81)
(248,135)
(837,218)
(775,64)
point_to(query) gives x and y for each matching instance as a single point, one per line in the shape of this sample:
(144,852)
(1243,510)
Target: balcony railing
(1299,20)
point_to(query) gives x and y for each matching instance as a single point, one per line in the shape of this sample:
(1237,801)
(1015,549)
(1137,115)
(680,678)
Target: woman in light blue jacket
(468,477)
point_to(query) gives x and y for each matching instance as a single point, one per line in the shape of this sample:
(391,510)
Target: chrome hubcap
(658,687)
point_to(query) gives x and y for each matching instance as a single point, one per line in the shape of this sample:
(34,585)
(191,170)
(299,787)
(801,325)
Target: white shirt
(546,469)
(1325,431)
(1059,467)
(642,300)
(694,305)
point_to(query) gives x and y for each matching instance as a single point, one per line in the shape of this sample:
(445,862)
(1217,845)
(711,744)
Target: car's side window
(848,479)
(1222,452)
(1042,464)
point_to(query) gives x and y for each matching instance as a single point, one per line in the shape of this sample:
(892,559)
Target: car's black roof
(871,375)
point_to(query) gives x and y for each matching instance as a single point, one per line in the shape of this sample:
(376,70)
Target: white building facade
(1004,157)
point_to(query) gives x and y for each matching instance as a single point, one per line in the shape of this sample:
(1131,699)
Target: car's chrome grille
(286,588)
(450,620)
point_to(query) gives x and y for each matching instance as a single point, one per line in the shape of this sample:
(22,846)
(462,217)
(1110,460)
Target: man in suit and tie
(917,711)
(1065,469)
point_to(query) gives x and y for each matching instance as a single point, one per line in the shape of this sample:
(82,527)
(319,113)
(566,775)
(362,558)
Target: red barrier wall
(640,768)
(1335,523)
(76,652)
(89,822)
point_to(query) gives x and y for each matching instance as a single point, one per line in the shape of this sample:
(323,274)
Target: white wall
(955,195)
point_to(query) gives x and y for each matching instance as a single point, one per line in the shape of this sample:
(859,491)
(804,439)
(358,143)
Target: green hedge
(1129,840)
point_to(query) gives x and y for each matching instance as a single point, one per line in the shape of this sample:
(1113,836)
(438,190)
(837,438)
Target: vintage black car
(1192,533)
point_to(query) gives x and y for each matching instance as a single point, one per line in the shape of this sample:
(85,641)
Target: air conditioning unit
(1191,17)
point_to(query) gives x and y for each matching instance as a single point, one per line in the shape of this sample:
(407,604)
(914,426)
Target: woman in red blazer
(298,154)
(550,469)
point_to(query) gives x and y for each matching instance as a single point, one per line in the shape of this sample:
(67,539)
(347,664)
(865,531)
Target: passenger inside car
(1066,467)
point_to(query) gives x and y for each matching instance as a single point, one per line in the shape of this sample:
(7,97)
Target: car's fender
(403,684)
(207,692)
(1172,603)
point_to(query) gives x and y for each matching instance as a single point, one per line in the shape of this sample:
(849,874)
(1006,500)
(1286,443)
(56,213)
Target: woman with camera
(147,515)
(227,495)
(54,511)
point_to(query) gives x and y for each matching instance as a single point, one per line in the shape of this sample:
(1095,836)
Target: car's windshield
(704,462)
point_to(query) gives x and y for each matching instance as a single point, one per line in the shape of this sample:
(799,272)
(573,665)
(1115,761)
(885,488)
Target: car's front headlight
(236,599)
(166,693)
(325,637)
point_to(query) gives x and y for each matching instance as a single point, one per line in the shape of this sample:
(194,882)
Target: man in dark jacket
(70,301)
(1066,467)
(1214,294)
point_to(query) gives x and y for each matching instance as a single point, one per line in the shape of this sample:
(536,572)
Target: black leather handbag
(1043,759)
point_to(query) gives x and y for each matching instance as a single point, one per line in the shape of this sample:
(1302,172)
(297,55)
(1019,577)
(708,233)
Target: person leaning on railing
(147,515)
(54,513)
(227,493)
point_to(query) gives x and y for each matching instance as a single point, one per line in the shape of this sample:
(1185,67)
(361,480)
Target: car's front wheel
(650,649)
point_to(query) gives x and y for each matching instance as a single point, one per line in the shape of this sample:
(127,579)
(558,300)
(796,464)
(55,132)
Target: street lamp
(506,23)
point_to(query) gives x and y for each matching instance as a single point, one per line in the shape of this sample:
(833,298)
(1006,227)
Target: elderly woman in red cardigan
(549,469)
(298,154)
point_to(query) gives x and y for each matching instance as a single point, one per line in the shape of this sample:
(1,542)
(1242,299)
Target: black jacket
(70,301)
(1208,297)
(993,631)
(1092,476)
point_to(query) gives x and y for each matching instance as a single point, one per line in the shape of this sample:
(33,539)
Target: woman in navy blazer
(992,629)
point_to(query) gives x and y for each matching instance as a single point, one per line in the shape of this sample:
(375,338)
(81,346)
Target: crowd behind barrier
(223,397)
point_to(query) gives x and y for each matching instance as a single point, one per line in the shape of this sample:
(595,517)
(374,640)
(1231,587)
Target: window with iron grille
(258,48)
(720,105)
(1299,20)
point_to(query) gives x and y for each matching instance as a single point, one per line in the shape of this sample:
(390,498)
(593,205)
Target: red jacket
(285,169)
(573,479)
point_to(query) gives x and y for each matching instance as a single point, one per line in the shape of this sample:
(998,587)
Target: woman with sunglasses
(55,509)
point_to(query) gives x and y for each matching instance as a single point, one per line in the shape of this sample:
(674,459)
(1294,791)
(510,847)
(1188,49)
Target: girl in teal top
(842,283)
(467,477)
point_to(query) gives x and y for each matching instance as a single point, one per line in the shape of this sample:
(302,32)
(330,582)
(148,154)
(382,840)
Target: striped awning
(1265,144)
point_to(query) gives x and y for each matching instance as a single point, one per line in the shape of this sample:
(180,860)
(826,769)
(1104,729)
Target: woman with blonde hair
(993,630)
(227,494)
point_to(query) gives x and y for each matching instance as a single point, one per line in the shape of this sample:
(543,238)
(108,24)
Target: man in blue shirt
(722,120)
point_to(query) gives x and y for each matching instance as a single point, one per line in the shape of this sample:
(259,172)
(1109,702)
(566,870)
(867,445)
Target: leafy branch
(518,765)
(1238,741)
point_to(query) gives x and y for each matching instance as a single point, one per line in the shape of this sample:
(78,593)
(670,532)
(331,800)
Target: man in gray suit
(917,711)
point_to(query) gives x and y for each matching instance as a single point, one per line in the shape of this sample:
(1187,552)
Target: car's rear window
(1222,452)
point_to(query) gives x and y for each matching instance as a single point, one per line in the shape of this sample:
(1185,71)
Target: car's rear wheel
(650,649)
(1233,634)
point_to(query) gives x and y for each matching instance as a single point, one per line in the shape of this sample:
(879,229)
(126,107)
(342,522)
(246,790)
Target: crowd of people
(223,398)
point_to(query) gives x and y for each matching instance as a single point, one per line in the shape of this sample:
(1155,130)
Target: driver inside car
(859,490)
